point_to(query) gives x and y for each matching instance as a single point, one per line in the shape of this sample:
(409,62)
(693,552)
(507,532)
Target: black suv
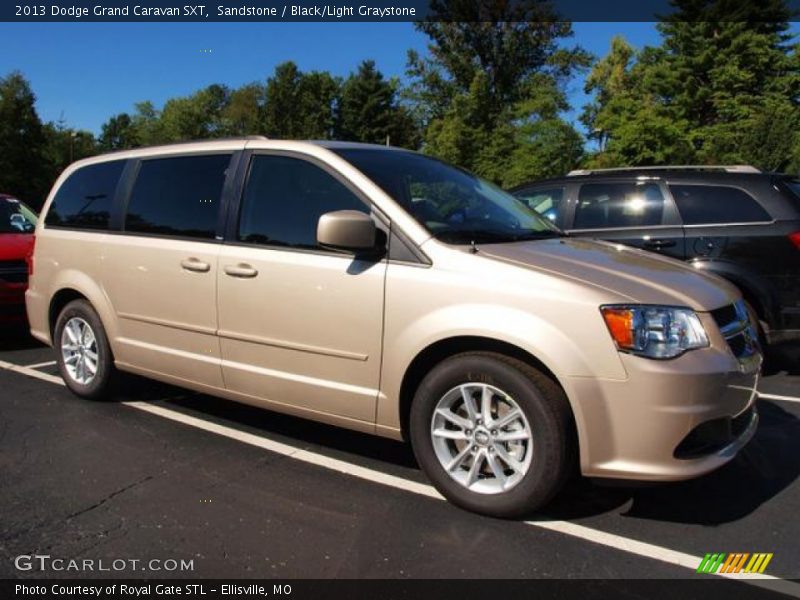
(735,221)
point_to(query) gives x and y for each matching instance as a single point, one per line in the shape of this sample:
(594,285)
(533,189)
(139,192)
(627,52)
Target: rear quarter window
(707,204)
(85,199)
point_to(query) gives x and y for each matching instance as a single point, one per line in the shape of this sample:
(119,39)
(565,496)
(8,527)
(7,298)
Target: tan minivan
(385,291)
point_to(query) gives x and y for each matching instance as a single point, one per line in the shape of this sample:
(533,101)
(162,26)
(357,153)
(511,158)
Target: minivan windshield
(455,206)
(15,217)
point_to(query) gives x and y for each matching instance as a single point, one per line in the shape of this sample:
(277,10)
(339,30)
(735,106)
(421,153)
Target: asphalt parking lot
(169,474)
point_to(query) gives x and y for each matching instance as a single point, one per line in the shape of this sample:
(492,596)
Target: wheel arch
(75,285)
(57,303)
(442,349)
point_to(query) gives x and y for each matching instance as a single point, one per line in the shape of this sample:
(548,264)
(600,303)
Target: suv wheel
(492,433)
(82,351)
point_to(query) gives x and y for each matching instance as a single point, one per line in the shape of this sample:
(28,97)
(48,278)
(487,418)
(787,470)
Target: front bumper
(670,420)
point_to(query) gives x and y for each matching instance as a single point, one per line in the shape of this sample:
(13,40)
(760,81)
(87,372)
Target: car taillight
(29,257)
(795,239)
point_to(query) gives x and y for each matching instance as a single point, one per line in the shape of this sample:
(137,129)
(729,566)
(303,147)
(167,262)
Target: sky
(88,72)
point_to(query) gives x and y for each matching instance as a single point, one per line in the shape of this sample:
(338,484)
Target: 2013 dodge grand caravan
(388,292)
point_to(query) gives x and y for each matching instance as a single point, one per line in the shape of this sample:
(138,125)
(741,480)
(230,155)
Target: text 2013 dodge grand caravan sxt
(385,291)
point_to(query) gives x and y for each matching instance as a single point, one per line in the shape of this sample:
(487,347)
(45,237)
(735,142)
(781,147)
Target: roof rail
(233,138)
(726,168)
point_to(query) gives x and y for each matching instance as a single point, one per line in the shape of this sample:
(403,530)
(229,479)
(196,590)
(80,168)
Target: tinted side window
(619,205)
(700,204)
(14,218)
(285,197)
(178,196)
(546,202)
(84,200)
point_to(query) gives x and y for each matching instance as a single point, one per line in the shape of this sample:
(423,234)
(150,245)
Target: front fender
(565,357)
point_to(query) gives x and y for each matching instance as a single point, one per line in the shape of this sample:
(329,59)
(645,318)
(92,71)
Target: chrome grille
(738,329)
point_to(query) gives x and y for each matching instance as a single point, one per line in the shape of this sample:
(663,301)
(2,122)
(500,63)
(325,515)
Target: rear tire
(504,461)
(83,354)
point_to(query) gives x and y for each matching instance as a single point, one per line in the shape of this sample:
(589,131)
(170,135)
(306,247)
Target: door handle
(241,270)
(196,265)
(658,244)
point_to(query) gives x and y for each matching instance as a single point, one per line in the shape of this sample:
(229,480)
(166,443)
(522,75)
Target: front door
(298,324)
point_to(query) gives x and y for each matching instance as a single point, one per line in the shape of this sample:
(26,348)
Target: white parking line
(31,372)
(780,398)
(596,536)
(49,363)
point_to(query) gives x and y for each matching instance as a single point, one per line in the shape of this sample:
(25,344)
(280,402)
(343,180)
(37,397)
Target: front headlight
(654,331)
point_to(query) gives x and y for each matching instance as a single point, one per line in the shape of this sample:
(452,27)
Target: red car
(17,223)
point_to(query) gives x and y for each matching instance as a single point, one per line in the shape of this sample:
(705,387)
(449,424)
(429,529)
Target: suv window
(546,202)
(178,196)
(284,199)
(84,200)
(700,204)
(608,205)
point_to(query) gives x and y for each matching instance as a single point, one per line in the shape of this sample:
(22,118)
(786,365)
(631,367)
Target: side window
(15,218)
(285,197)
(702,204)
(546,202)
(178,196)
(602,205)
(84,200)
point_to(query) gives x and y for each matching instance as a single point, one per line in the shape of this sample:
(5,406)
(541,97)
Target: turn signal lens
(654,331)
(620,324)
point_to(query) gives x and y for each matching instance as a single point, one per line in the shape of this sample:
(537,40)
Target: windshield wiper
(488,236)
(468,236)
(537,235)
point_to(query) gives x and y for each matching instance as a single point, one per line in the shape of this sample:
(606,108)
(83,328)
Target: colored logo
(735,563)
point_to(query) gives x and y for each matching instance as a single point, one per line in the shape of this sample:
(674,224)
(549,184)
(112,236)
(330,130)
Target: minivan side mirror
(347,230)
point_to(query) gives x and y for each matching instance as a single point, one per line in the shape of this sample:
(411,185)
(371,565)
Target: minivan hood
(642,277)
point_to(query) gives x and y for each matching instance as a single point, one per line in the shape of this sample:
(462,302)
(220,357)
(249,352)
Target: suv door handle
(241,270)
(196,265)
(658,244)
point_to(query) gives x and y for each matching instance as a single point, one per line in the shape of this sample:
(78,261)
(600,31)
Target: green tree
(24,169)
(118,133)
(300,105)
(243,112)
(492,89)
(146,122)
(65,145)
(369,110)
(195,117)
(716,90)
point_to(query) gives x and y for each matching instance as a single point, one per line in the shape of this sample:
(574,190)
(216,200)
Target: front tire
(493,434)
(83,354)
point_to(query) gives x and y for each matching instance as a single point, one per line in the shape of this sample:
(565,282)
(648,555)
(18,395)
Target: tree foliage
(715,91)
(300,105)
(369,110)
(722,86)
(24,168)
(492,88)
